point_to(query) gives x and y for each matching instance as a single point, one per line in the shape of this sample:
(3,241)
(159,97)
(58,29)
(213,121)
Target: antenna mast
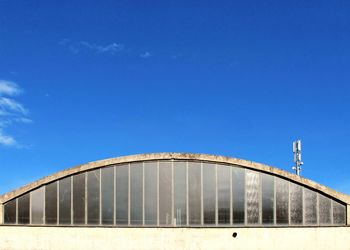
(297,156)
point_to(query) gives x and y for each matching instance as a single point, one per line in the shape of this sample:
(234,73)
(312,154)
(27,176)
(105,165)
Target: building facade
(175,191)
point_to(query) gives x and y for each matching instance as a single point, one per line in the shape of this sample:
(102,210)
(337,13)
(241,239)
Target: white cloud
(9,88)
(7,140)
(111,48)
(146,55)
(64,41)
(11,107)
(11,111)
(75,47)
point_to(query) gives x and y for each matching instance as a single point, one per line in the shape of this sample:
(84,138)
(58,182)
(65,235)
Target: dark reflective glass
(65,201)
(282,201)
(194,193)
(93,197)
(79,199)
(296,204)
(165,200)
(324,210)
(310,201)
(121,194)
(151,183)
(136,188)
(37,206)
(338,213)
(267,189)
(224,194)
(209,193)
(107,195)
(238,195)
(23,209)
(180,193)
(253,198)
(10,212)
(51,203)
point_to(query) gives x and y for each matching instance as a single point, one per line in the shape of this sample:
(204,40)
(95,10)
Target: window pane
(107,192)
(23,209)
(93,196)
(224,194)
(209,193)
(296,204)
(252,197)
(122,194)
(180,193)
(238,195)
(51,203)
(165,183)
(65,201)
(282,201)
(267,198)
(324,210)
(338,213)
(37,206)
(310,201)
(151,193)
(79,199)
(10,212)
(136,184)
(194,193)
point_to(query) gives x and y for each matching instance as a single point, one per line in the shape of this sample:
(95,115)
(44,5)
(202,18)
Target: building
(174,201)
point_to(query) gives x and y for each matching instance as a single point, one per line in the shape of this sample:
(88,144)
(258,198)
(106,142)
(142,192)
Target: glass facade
(174,194)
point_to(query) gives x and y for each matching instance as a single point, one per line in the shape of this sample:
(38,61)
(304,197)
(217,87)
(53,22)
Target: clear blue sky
(86,80)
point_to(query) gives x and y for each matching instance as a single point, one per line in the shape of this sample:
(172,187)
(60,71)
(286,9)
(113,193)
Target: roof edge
(177,156)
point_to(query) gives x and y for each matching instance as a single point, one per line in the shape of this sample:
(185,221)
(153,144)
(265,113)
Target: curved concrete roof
(178,156)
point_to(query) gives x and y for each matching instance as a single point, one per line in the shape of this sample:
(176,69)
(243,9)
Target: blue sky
(82,81)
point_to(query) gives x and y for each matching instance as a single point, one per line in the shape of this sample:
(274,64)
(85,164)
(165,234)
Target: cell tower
(297,156)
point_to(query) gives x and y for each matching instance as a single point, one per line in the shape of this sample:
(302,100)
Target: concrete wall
(12,237)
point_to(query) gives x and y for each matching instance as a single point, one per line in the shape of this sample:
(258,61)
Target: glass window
(238,195)
(282,201)
(180,193)
(267,182)
(65,201)
(165,186)
(122,194)
(79,199)
(136,188)
(151,193)
(253,198)
(194,193)
(209,193)
(324,210)
(296,204)
(107,195)
(338,213)
(10,212)
(93,197)
(51,203)
(37,206)
(310,201)
(23,209)
(224,194)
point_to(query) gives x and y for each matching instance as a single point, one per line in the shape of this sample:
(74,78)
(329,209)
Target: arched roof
(178,156)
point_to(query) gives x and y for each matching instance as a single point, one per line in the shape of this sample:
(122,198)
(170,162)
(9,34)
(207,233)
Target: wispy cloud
(76,47)
(11,111)
(110,48)
(9,88)
(146,54)
(6,139)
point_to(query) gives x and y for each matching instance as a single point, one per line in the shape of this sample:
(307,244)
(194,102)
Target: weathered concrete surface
(51,238)
(178,156)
